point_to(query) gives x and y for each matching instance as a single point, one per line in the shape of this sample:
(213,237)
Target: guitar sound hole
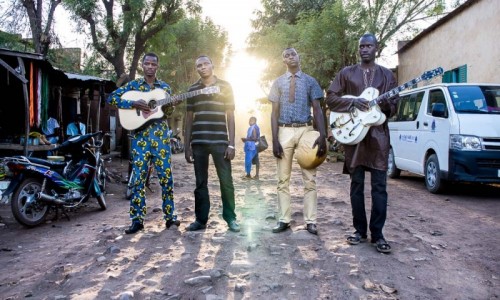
(152,104)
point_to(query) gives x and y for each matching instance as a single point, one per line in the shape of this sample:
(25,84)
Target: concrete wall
(470,38)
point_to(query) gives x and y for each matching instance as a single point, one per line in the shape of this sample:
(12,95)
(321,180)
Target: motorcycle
(176,145)
(38,185)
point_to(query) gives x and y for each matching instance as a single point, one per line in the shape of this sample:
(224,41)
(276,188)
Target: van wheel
(392,170)
(433,180)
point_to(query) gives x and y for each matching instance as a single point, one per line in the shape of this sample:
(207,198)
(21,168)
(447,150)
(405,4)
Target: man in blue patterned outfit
(150,143)
(292,95)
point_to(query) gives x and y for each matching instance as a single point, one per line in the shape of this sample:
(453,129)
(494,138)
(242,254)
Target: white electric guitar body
(131,119)
(350,128)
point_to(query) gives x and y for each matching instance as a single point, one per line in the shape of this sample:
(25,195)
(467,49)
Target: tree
(327,40)
(40,21)
(287,11)
(179,45)
(124,26)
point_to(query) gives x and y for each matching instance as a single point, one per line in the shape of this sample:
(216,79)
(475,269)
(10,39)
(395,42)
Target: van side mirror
(439,110)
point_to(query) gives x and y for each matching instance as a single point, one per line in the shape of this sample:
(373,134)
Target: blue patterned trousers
(152,145)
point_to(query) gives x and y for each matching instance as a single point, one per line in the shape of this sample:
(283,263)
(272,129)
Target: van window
(475,99)
(408,107)
(437,96)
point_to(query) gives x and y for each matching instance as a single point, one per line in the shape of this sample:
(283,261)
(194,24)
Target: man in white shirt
(76,128)
(51,130)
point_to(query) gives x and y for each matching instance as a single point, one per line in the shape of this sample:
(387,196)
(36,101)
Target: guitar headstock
(432,73)
(211,90)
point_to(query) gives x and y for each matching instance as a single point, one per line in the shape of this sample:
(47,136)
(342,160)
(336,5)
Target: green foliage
(326,33)
(121,29)
(13,42)
(179,45)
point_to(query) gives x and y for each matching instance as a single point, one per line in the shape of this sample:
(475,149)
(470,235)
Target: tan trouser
(289,138)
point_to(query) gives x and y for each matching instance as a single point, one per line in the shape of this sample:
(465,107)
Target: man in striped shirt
(210,131)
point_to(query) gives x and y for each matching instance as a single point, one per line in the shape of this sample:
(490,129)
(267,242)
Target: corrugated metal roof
(84,77)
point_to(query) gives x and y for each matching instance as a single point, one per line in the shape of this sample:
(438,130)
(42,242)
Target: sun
(244,73)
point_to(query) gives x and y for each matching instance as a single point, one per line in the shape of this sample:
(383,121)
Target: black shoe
(312,228)
(169,223)
(195,226)
(134,228)
(356,238)
(281,227)
(233,226)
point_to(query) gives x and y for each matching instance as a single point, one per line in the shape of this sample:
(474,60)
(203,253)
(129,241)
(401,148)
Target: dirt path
(444,246)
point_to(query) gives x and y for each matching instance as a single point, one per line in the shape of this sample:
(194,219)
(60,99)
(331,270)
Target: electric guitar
(351,127)
(131,119)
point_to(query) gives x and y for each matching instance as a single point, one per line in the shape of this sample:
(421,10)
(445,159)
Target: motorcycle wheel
(101,176)
(25,208)
(102,201)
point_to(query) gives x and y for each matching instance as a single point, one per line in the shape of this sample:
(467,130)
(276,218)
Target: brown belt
(296,124)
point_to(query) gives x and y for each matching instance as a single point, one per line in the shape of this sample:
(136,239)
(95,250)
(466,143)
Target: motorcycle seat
(48,163)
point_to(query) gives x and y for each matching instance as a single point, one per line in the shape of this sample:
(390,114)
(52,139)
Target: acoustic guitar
(131,119)
(351,127)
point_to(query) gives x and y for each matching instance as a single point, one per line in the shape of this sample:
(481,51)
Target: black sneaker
(195,226)
(136,226)
(169,223)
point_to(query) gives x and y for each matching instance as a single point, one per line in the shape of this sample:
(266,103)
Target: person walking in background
(292,95)
(150,144)
(250,148)
(210,132)
(370,154)
(76,127)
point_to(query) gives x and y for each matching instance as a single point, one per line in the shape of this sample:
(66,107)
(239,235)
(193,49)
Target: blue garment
(307,90)
(49,130)
(250,147)
(72,129)
(149,145)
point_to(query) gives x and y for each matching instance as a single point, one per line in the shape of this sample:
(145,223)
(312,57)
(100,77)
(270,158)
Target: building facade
(464,43)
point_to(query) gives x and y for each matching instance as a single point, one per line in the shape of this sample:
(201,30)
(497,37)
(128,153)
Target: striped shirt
(209,111)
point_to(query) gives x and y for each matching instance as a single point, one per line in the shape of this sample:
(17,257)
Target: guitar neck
(394,91)
(181,97)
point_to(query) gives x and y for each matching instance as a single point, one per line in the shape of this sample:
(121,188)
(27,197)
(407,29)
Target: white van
(447,132)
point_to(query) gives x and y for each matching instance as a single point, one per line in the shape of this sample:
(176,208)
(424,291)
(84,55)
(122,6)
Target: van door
(434,131)
(403,129)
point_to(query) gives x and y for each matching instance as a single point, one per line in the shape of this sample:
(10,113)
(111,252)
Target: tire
(433,181)
(392,170)
(29,215)
(101,175)
(102,201)
(128,191)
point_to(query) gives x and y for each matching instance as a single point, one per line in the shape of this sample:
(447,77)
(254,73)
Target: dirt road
(444,246)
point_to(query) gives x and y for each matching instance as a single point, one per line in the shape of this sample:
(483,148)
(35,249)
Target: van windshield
(481,99)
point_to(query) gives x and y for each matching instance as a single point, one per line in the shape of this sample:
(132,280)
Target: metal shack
(32,91)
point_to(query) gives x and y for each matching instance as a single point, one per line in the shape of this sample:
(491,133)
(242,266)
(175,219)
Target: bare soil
(444,246)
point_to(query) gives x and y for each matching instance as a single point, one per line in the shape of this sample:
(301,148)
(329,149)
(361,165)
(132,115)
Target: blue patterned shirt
(307,90)
(138,84)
